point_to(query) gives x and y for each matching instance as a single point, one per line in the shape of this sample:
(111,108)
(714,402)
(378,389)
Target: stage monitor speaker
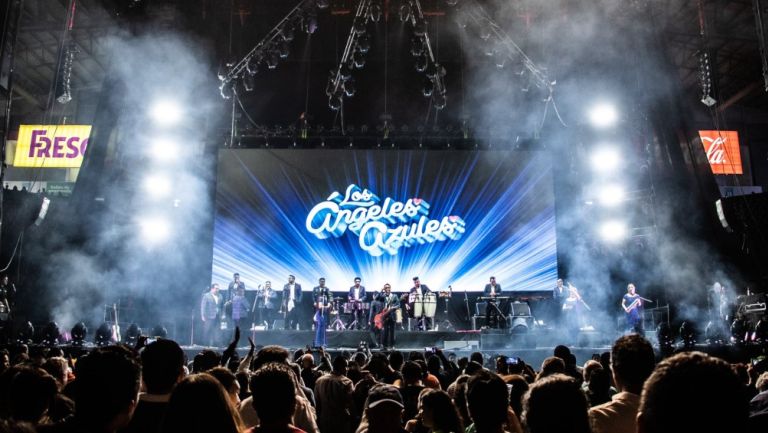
(480,308)
(520,309)
(506,341)
(278,324)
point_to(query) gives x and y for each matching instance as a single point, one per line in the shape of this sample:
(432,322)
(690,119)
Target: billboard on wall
(51,146)
(723,152)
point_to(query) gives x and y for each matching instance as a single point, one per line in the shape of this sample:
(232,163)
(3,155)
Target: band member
(234,286)
(321,297)
(356,297)
(210,311)
(390,302)
(291,301)
(632,304)
(573,310)
(7,295)
(719,303)
(492,290)
(559,294)
(377,305)
(425,323)
(266,305)
(240,309)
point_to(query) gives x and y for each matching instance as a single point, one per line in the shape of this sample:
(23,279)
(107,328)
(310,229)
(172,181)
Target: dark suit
(292,316)
(425,323)
(491,313)
(356,316)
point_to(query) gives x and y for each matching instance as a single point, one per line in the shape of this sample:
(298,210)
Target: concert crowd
(154,388)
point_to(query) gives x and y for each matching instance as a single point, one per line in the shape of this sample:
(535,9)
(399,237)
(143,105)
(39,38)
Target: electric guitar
(378,320)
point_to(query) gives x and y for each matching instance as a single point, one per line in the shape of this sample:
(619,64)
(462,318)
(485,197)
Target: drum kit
(418,306)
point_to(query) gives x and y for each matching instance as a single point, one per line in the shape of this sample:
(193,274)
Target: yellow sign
(51,146)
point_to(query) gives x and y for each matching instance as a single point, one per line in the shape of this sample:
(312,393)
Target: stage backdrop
(453,218)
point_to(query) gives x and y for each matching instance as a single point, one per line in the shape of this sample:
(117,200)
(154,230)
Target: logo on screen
(382,226)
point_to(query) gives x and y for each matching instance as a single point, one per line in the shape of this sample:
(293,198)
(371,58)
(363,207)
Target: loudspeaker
(506,341)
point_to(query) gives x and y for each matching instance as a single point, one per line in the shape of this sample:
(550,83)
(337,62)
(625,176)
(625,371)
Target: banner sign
(723,152)
(51,146)
(381,226)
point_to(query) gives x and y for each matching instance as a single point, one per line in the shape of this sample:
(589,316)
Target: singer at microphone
(632,303)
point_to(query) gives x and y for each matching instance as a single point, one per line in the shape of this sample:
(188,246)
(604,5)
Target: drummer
(425,323)
(356,298)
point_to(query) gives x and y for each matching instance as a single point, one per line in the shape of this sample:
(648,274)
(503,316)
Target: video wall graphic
(453,218)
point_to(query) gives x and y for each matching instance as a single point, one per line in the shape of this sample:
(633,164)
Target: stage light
(613,231)
(155,229)
(375,12)
(405,12)
(420,28)
(322,4)
(273,58)
(739,331)
(164,149)
(226,90)
(688,334)
(132,334)
(439,101)
(421,63)
(359,59)
(611,195)
(417,46)
(427,87)
(287,34)
(248,82)
(519,325)
(349,87)
(760,334)
(25,333)
(159,331)
(284,50)
(334,102)
(51,334)
(78,333)
(664,336)
(157,186)
(166,112)
(605,160)
(103,335)
(603,116)
(364,44)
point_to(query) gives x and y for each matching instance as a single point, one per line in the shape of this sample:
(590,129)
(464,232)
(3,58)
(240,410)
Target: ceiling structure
(729,24)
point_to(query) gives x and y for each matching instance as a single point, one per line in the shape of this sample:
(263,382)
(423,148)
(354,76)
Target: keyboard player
(492,290)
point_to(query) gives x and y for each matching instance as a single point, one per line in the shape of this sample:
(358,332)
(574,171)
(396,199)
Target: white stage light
(163,149)
(611,195)
(603,116)
(166,113)
(155,229)
(613,231)
(157,186)
(605,159)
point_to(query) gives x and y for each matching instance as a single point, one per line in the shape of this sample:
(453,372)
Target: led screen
(453,218)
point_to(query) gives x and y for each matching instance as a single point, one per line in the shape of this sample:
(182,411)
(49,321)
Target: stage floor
(533,347)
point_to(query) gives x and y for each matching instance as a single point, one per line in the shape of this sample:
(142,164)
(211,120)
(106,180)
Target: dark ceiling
(232,27)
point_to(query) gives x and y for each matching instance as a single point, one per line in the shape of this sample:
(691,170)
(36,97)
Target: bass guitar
(378,320)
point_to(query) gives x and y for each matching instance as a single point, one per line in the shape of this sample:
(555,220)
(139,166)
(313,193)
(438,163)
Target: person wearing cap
(383,411)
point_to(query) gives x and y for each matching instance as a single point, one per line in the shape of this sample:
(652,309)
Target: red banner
(723,152)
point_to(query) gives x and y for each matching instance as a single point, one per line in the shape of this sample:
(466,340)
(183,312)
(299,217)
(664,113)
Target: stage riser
(351,339)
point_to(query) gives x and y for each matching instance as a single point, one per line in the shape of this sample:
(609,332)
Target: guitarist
(386,319)
(321,296)
(632,304)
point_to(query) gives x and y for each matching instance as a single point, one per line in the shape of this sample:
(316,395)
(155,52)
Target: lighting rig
(471,13)
(341,83)
(273,47)
(421,48)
